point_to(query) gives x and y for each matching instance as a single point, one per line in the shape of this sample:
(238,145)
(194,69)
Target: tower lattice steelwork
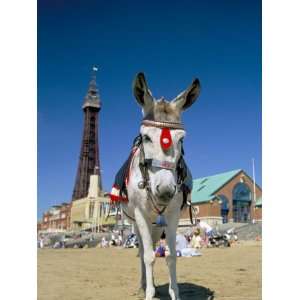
(89,162)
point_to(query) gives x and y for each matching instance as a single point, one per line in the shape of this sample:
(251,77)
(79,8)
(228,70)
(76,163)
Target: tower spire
(92,98)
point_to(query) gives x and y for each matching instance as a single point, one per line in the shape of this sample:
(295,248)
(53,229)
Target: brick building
(225,197)
(57,218)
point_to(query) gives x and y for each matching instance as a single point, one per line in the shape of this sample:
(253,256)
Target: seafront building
(229,197)
(87,213)
(56,219)
(225,197)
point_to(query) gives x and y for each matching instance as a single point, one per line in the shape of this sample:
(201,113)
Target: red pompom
(165,139)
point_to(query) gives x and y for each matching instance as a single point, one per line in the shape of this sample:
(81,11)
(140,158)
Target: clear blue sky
(172,42)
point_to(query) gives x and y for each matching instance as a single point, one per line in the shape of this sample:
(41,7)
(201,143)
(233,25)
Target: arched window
(241,192)
(241,200)
(224,208)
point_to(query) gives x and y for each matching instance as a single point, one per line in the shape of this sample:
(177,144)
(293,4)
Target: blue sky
(172,42)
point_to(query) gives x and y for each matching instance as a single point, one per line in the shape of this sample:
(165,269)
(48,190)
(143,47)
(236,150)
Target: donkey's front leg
(145,233)
(141,255)
(171,259)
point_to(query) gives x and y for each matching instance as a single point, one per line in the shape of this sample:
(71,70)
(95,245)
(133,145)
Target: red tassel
(165,139)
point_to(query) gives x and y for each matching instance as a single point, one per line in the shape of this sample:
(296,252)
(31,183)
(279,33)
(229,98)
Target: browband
(171,125)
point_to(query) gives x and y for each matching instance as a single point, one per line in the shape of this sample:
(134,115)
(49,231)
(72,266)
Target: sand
(89,274)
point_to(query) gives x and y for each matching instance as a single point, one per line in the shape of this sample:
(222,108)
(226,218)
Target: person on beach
(104,243)
(161,249)
(41,242)
(208,230)
(196,239)
(181,243)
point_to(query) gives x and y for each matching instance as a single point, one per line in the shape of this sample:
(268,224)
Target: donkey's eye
(146,138)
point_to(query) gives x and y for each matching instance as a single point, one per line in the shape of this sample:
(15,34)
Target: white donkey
(154,189)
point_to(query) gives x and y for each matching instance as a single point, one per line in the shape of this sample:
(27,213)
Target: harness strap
(165,124)
(145,175)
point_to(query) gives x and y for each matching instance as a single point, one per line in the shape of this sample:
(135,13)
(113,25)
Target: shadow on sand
(188,291)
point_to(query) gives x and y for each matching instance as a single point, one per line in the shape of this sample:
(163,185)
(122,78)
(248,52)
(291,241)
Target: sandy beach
(113,273)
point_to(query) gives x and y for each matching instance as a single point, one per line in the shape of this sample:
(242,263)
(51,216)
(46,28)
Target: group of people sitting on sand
(187,244)
(115,240)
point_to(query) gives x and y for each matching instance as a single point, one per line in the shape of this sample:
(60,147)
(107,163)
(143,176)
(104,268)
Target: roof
(205,187)
(258,202)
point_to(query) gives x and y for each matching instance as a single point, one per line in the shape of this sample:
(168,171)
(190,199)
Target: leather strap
(165,124)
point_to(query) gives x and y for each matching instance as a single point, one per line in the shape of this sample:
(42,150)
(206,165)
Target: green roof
(205,187)
(258,202)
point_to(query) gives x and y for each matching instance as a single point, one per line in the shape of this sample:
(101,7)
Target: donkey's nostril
(157,188)
(172,194)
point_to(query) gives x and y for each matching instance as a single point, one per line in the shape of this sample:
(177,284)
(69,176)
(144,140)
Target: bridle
(145,164)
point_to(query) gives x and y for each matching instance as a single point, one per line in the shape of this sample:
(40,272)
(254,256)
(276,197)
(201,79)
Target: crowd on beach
(187,244)
(102,239)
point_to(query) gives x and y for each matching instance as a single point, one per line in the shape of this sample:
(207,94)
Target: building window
(91,209)
(224,208)
(241,200)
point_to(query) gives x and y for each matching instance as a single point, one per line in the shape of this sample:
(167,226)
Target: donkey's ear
(185,99)
(141,91)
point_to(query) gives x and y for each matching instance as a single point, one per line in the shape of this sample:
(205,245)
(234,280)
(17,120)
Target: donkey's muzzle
(165,193)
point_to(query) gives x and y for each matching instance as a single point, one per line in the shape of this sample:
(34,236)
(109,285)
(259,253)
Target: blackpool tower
(89,162)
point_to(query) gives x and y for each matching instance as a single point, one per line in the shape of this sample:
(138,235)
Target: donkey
(155,187)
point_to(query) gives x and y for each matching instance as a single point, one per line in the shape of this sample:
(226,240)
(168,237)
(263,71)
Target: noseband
(145,164)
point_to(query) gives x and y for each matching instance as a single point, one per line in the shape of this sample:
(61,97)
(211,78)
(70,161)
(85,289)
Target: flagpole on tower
(94,71)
